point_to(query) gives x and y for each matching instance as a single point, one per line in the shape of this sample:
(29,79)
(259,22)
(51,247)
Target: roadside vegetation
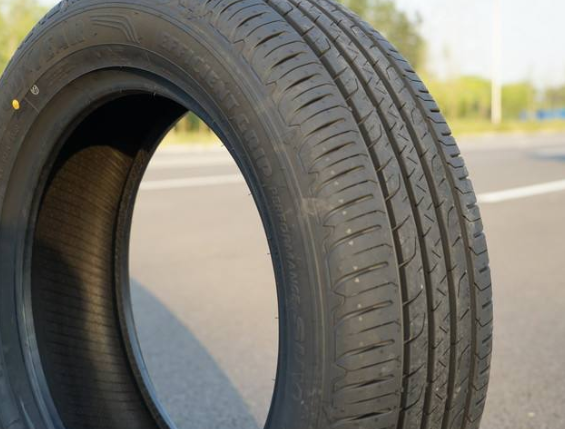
(17,17)
(465,100)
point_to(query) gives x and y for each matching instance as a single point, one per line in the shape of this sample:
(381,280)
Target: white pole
(496,102)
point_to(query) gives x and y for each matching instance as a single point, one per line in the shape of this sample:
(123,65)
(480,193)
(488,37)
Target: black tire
(381,263)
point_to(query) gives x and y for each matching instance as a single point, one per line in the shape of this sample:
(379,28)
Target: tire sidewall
(190,53)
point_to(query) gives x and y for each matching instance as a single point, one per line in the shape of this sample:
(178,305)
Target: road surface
(206,308)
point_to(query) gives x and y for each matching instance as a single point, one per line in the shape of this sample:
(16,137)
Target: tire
(378,248)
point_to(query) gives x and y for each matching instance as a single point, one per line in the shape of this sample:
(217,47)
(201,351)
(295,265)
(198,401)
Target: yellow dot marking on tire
(16,105)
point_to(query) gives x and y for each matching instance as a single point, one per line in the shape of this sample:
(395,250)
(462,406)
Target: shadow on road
(190,384)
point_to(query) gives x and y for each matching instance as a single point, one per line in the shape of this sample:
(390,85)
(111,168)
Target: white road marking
(231,179)
(192,182)
(523,192)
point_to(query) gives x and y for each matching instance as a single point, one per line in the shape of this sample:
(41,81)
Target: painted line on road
(192,182)
(230,179)
(523,192)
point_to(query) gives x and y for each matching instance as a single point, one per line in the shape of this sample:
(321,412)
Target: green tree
(517,98)
(4,54)
(360,7)
(17,18)
(396,25)
(465,97)
(554,97)
(468,98)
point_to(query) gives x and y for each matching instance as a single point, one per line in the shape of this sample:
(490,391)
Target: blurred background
(497,70)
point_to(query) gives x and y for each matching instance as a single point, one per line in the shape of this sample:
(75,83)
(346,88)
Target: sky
(459,36)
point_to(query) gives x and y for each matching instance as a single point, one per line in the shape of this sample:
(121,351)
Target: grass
(464,128)
(204,138)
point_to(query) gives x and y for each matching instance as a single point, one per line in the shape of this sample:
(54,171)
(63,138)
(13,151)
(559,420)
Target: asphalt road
(206,308)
